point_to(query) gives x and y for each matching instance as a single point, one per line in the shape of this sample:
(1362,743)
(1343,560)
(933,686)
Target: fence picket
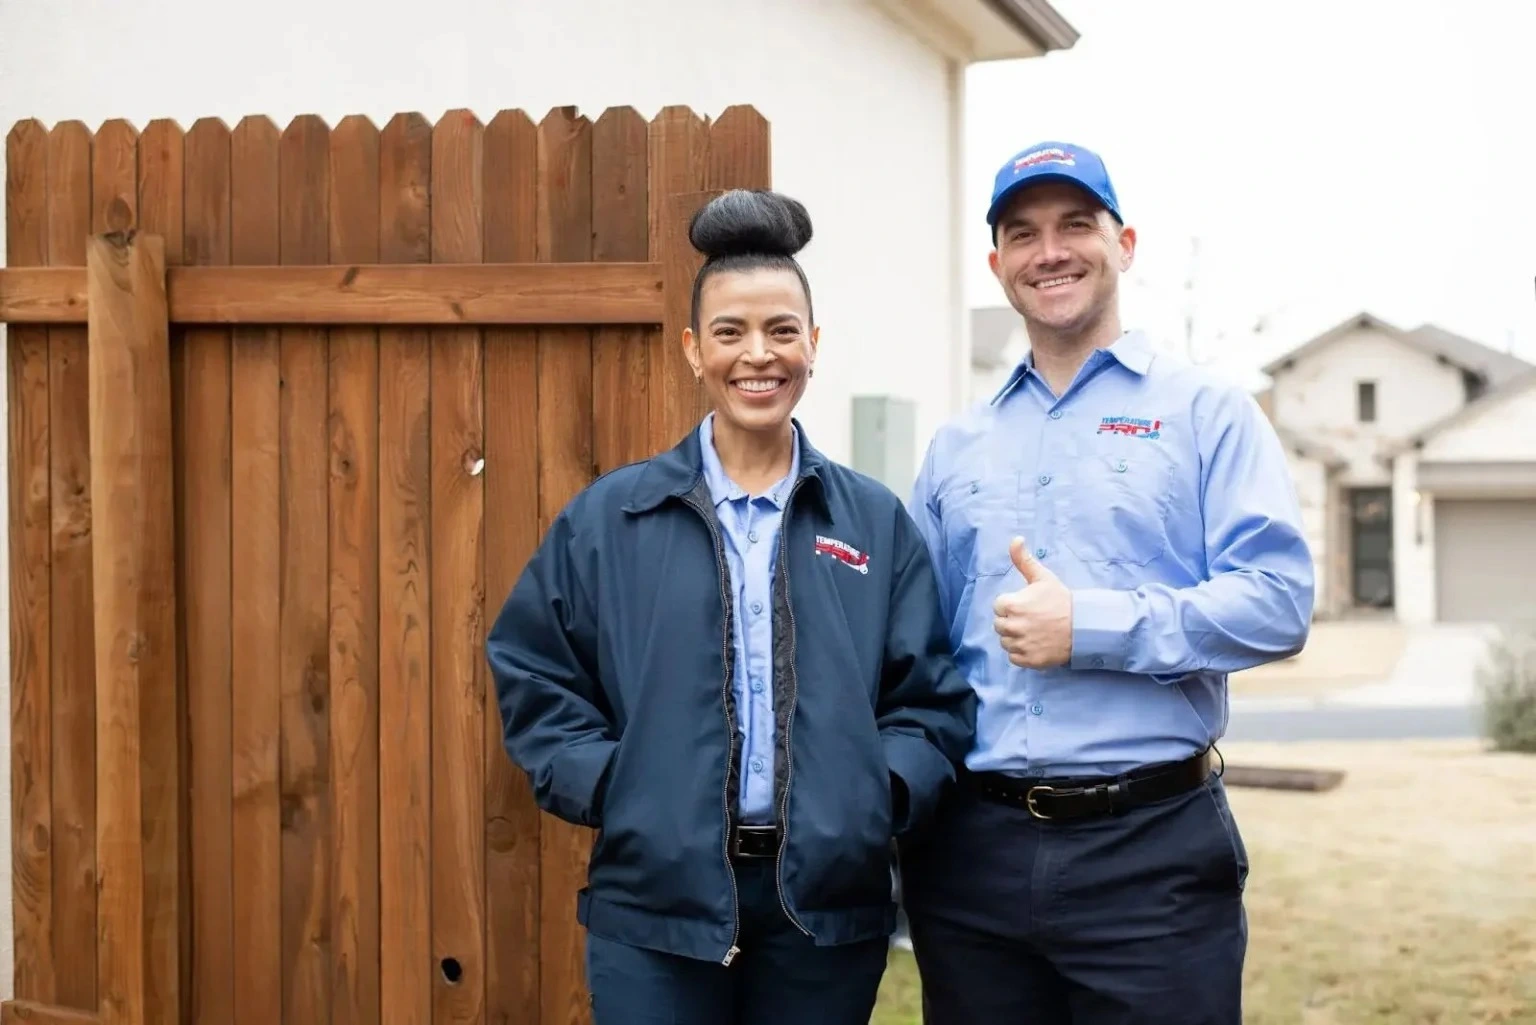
(405,603)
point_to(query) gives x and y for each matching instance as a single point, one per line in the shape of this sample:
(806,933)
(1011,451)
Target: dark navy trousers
(1132,919)
(779,977)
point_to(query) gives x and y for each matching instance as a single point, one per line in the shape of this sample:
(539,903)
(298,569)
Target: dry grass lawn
(1407,896)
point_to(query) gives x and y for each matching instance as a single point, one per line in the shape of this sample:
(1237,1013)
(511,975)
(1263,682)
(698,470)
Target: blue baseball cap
(1053,161)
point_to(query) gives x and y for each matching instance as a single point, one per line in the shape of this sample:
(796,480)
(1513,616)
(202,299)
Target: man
(1114,532)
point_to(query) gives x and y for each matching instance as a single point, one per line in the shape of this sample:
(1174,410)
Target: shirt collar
(1131,350)
(721,487)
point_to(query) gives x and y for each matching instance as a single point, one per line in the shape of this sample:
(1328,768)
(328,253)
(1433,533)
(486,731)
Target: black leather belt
(1066,798)
(754,842)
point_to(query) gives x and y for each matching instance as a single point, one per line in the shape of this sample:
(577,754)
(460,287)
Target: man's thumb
(1027,564)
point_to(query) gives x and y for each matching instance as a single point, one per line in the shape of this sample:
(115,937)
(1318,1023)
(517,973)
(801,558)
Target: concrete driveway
(1367,680)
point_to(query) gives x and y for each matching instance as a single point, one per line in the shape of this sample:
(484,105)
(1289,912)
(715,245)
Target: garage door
(1485,559)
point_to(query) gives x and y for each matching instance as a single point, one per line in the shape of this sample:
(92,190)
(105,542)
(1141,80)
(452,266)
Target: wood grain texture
(206,582)
(354,594)
(679,158)
(167,879)
(26,1012)
(72,663)
(255,608)
(617,293)
(564,234)
(740,150)
(28,495)
(304,189)
(512,819)
(458,652)
(136,646)
(406,966)
(621,231)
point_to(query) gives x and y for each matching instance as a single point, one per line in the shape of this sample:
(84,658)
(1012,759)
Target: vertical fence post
(679,263)
(137,755)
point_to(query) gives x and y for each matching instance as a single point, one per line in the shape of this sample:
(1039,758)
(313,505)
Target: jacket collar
(677,471)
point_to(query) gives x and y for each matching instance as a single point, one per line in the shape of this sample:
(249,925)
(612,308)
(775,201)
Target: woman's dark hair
(749,229)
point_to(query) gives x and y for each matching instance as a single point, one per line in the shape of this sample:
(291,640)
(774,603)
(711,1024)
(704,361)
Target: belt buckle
(1029,802)
(741,832)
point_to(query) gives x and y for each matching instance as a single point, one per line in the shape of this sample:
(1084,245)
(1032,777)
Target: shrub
(1506,681)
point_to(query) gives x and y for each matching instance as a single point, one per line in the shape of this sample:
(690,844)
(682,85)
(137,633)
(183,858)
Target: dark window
(1365,401)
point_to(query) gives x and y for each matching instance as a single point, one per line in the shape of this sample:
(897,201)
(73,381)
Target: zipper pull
(730,955)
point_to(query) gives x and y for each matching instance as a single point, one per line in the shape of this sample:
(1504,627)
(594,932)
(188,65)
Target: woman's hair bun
(750,222)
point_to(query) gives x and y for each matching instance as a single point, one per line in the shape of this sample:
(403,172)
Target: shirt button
(757,766)
(1120,466)
(757,686)
(752,536)
(1039,553)
(975,488)
(1045,478)
(1037,709)
(1055,414)
(757,608)
(1098,662)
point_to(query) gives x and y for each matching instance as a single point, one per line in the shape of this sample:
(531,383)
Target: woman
(729,660)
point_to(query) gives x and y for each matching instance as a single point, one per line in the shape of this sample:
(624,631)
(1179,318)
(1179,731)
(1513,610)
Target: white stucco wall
(1316,398)
(1311,479)
(1498,431)
(1413,544)
(865,122)
(1494,433)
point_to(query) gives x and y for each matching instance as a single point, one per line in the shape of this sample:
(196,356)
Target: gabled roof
(1038,20)
(1497,367)
(1502,392)
(1309,449)
(1491,365)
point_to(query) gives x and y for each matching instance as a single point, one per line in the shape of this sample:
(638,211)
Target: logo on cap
(1045,156)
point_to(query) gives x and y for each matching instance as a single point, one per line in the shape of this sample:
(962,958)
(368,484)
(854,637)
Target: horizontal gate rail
(462,294)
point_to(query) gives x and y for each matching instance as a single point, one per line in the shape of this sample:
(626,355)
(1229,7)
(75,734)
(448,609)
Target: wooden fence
(278,449)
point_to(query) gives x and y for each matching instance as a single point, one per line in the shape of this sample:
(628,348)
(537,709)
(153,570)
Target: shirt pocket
(1114,510)
(981,513)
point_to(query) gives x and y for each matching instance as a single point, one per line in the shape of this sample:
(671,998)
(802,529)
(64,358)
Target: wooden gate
(288,411)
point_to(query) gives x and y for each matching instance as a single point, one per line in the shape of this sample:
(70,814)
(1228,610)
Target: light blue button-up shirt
(750,525)
(1161,497)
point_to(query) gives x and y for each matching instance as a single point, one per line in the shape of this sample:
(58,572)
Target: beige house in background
(1414,454)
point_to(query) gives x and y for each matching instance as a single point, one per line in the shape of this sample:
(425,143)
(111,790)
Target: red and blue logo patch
(1131,426)
(843,552)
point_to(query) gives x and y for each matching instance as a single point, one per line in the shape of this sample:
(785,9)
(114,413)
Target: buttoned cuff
(1102,622)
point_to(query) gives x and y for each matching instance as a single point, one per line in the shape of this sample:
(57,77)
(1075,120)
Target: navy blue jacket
(612,661)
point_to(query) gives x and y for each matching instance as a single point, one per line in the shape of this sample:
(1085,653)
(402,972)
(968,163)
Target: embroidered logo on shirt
(845,553)
(1131,426)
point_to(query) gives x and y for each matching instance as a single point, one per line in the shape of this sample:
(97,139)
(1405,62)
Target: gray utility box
(885,440)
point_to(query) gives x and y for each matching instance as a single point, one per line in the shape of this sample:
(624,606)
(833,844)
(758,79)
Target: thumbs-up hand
(1034,623)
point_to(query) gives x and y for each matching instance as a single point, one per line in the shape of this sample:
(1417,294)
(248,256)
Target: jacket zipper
(789,722)
(730,729)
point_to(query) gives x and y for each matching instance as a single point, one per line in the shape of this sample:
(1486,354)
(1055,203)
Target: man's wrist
(1102,623)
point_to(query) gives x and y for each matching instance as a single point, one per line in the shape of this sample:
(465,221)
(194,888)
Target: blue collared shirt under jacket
(751,528)
(1161,497)
(616,671)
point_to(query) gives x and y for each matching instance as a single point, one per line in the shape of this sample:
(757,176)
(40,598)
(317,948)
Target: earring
(811,372)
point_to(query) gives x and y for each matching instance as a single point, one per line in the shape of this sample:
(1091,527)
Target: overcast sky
(1329,155)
